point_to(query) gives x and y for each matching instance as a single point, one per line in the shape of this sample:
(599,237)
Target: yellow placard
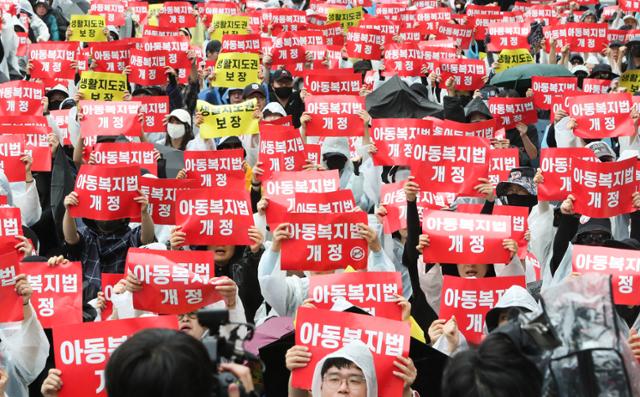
(348,17)
(510,58)
(102,86)
(152,16)
(228,24)
(228,120)
(631,80)
(237,69)
(87,28)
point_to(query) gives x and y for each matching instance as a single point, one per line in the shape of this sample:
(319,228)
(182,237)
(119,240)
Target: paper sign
(52,60)
(100,86)
(87,28)
(11,302)
(335,115)
(555,164)
(112,118)
(237,69)
(141,154)
(510,58)
(228,120)
(600,116)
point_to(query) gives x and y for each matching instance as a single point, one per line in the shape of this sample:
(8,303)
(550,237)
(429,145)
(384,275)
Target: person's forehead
(351,370)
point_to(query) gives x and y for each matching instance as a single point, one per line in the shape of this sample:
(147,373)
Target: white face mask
(175,131)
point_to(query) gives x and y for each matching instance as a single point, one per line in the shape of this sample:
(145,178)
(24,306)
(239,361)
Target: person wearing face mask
(281,91)
(56,96)
(633,54)
(336,156)
(179,131)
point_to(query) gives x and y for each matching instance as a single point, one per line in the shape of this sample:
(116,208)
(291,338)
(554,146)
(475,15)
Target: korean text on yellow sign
(228,24)
(510,58)
(237,69)
(347,17)
(228,120)
(87,28)
(102,86)
(631,81)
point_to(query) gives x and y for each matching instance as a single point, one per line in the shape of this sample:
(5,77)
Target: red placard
(125,153)
(216,167)
(450,164)
(467,73)
(508,36)
(169,285)
(404,59)
(82,350)
(10,227)
(457,238)
(483,129)
(21,97)
(622,264)
(324,331)
(332,82)
(154,108)
(460,33)
(52,60)
(502,162)
(106,192)
(285,51)
(112,10)
(511,111)
(12,148)
(23,44)
(177,13)
(148,67)
(373,292)
(241,43)
(602,116)
(211,8)
(322,203)
(365,43)
(61,118)
(325,243)
(10,301)
(629,5)
(603,190)
(37,146)
(281,149)
(214,216)
(177,47)
(285,20)
(555,164)
(596,86)
(581,37)
(110,118)
(162,197)
(519,225)
(24,125)
(544,88)
(159,31)
(334,115)
(108,281)
(110,56)
(13,168)
(469,300)
(394,139)
(57,292)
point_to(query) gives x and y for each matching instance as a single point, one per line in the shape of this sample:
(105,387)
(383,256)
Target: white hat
(274,108)
(59,87)
(181,115)
(580,68)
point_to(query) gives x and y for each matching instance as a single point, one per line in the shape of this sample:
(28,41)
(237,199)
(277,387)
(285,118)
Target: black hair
(497,368)
(450,269)
(336,362)
(160,363)
(186,138)
(509,93)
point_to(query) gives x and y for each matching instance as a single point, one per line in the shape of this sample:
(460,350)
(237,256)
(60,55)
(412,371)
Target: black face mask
(112,227)
(595,238)
(54,105)
(283,92)
(519,200)
(336,162)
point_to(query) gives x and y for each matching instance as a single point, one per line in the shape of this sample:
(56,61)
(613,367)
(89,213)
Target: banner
(339,201)
(162,197)
(511,111)
(510,58)
(327,243)
(457,238)
(237,69)
(603,190)
(622,264)
(631,81)
(243,43)
(228,24)
(10,227)
(209,9)
(394,139)
(544,88)
(507,36)
(106,192)
(365,43)
(469,300)
(111,118)
(285,51)
(214,216)
(100,86)
(482,129)
(82,350)
(403,59)
(228,120)
(581,37)
(325,331)
(450,164)
(281,149)
(596,86)
(21,97)
(373,292)
(169,286)
(216,167)
(332,82)
(149,67)
(602,116)
(469,74)
(154,108)
(113,11)
(141,154)
(460,33)
(87,28)
(348,17)
(555,164)
(177,13)
(334,115)
(11,302)
(111,56)
(52,60)
(57,292)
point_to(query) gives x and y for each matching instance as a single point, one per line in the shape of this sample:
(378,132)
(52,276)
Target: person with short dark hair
(160,363)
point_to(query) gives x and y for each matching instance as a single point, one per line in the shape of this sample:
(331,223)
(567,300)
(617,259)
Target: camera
(223,349)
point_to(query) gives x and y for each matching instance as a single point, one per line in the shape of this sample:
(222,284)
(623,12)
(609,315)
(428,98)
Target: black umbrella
(394,99)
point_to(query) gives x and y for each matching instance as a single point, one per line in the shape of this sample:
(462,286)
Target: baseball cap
(627,244)
(253,89)
(182,115)
(522,177)
(602,150)
(282,74)
(274,108)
